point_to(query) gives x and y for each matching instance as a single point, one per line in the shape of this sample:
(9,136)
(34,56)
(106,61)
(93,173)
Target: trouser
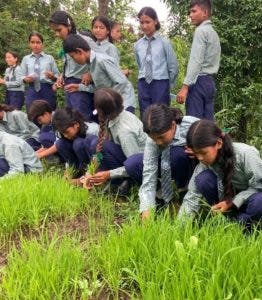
(157,91)
(46,93)
(83,102)
(78,152)
(181,166)
(206,183)
(200,98)
(15,98)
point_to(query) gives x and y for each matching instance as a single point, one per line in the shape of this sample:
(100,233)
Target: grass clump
(45,269)
(28,199)
(165,260)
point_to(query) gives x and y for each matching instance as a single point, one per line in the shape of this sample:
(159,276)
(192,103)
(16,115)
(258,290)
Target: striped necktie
(166,179)
(148,62)
(37,85)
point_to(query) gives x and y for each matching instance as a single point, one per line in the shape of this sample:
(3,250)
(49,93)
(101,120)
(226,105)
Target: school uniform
(126,139)
(16,123)
(151,165)
(78,152)
(47,135)
(16,156)
(110,49)
(202,66)
(35,66)
(14,87)
(82,100)
(247,184)
(106,74)
(163,71)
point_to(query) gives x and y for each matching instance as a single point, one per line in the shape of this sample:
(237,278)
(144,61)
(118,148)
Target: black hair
(206,4)
(158,118)
(6,108)
(74,42)
(205,133)
(35,33)
(66,117)
(106,22)
(14,54)
(87,32)
(151,13)
(37,109)
(61,17)
(108,102)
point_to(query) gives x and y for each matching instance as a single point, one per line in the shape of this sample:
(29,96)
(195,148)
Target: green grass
(102,259)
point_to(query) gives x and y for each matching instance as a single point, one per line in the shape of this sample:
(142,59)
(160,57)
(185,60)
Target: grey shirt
(14,79)
(110,49)
(19,155)
(247,179)
(126,130)
(106,74)
(147,191)
(47,63)
(16,122)
(205,53)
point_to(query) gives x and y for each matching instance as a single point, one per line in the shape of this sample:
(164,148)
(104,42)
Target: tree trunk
(103,7)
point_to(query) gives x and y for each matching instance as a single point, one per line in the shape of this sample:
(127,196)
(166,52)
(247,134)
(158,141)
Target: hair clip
(68,22)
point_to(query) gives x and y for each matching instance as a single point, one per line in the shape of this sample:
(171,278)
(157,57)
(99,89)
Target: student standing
(115,33)
(101,29)
(40,72)
(156,60)
(13,81)
(164,157)
(198,90)
(74,74)
(103,70)
(16,122)
(228,176)
(121,136)
(16,156)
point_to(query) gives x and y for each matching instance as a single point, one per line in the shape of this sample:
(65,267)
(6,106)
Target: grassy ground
(59,242)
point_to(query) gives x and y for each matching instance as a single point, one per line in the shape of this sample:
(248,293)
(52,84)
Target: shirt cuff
(147,200)
(118,173)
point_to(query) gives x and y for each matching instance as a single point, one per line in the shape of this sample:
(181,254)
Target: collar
(92,56)
(113,122)
(206,22)
(35,55)
(177,134)
(105,41)
(4,117)
(153,37)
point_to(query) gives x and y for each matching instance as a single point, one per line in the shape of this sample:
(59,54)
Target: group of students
(98,126)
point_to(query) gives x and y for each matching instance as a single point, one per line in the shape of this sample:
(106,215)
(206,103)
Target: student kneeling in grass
(228,176)
(16,156)
(77,140)
(41,112)
(164,157)
(104,71)
(121,137)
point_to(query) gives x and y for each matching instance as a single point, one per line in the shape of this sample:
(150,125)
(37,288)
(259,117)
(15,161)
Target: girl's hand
(72,87)
(145,215)
(189,152)
(60,82)
(222,206)
(126,72)
(86,78)
(100,178)
(85,180)
(2,81)
(182,94)
(29,79)
(50,75)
